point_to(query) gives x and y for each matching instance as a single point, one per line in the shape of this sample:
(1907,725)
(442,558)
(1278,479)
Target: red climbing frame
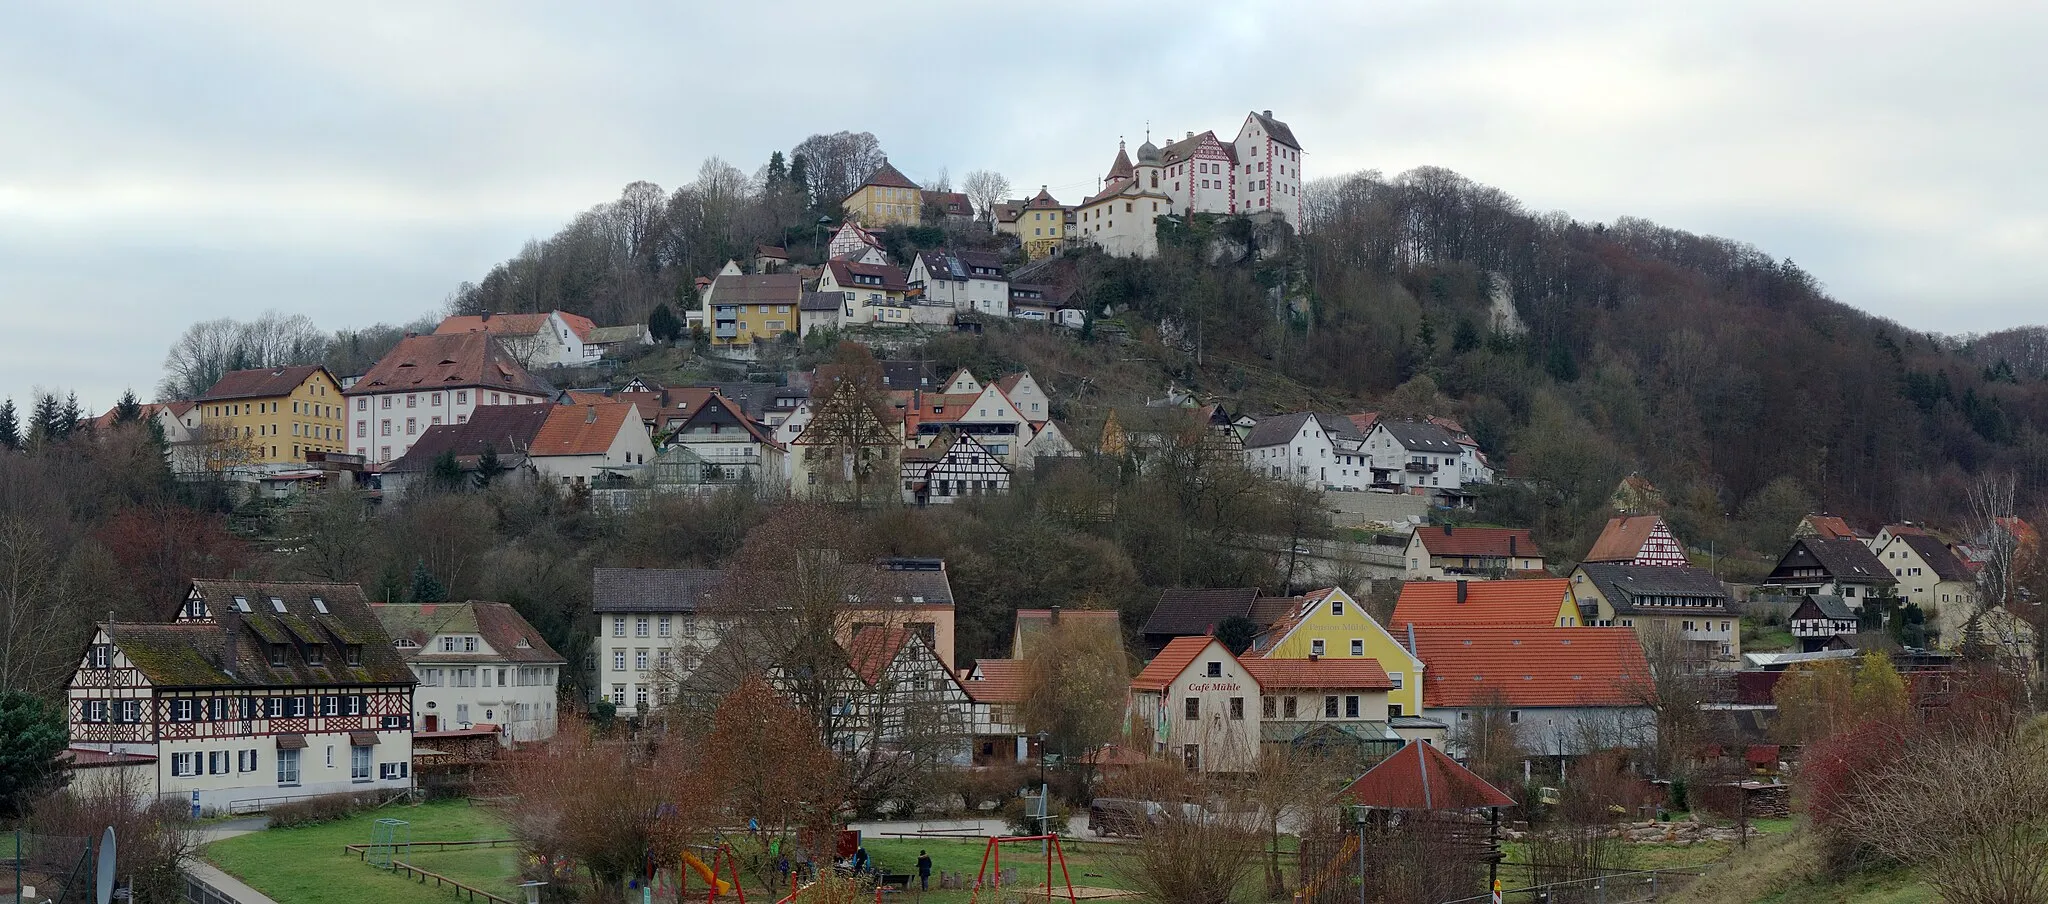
(993,856)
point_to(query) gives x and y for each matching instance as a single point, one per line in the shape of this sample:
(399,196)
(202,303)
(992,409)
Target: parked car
(1132,818)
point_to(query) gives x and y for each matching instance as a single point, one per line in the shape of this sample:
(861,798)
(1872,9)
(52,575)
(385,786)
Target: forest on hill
(1728,377)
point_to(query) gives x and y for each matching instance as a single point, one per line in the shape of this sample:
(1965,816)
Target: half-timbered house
(256,694)
(954,465)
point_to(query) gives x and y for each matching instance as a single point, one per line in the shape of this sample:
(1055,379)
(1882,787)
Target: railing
(1631,887)
(1417,467)
(199,891)
(461,890)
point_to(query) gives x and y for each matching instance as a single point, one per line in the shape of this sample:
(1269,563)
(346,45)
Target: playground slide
(690,860)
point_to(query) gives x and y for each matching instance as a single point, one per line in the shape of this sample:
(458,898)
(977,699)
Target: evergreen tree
(32,737)
(800,180)
(128,410)
(44,418)
(447,472)
(425,589)
(663,324)
(778,172)
(488,466)
(69,417)
(10,427)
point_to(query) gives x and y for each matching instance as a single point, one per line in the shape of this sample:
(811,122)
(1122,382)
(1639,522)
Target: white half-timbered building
(954,465)
(258,693)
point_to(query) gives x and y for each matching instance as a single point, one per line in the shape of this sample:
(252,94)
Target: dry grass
(1786,869)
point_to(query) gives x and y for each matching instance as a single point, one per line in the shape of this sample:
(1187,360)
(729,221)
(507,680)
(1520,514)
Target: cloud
(166,164)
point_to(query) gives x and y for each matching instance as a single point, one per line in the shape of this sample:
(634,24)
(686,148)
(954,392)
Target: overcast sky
(164,164)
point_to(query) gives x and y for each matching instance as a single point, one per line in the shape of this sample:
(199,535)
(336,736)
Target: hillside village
(1365,608)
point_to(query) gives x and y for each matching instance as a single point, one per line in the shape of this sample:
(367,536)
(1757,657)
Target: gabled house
(1826,527)
(1315,450)
(1025,393)
(1543,602)
(971,282)
(479,665)
(996,687)
(817,312)
(952,466)
(1189,612)
(1329,625)
(257,693)
(1043,302)
(1842,566)
(583,444)
(1028,625)
(650,626)
(1423,459)
(1819,619)
(740,309)
(868,293)
(1931,577)
(1199,705)
(1040,223)
(727,439)
(1637,540)
(885,198)
(905,694)
(431,380)
(1568,691)
(1689,602)
(987,414)
(270,416)
(1470,553)
(552,339)
(948,207)
(502,432)
(850,238)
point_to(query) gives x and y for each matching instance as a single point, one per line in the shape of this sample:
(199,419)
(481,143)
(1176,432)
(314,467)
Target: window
(469,645)
(618,695)
(1514,717)
(662,627)
(640,659)
(217,762)
(412,426)
(362,404)
(1315,647)
(618,626)
(1194,709)
(1215,670)
(462,397)
(245,761)
(1393,710)
(288,767)
(384,427)
(1268,707)
(1330,707)
(390,771)
(330,705)
(447,644)
(95,710)
(185,764)
(359,764)
(1351,707)
(1237,709)
(1357,647)
(1288,708)
(640,626)
(101,656)
(619,659)
(1336,602)
(1395,677)
(181,710)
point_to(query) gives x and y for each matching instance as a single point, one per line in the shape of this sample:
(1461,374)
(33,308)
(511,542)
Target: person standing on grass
(924,871)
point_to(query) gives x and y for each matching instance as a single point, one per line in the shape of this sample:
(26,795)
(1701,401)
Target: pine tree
(488,466)
(778,171)
(663,324)
(10,427)
(44,418)
(70,416)
(128,410)
(425,589)
(800,180)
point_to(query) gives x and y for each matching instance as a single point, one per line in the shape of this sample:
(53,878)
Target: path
(211,875)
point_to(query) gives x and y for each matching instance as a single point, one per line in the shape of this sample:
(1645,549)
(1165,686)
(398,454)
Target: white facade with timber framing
(953,466)
(258,693)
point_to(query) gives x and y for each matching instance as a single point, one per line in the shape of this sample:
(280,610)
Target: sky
(162,164)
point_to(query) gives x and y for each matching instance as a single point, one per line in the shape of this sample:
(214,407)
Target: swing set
(992,859)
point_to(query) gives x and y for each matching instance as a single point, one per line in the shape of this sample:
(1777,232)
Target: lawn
(1097,863)
(308,866)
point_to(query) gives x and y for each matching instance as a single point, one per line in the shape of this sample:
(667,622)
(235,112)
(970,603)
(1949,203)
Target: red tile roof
(1171,661)
(1831,527)
(1001,681)
(873,649)
(1532,603)
(1317,674)
(953,203)
(148,410)
(1477,541)
(1421,777)
(452,361)
(588,429)
(1623,538)
(1532,666)
(513,324)
(887,176)
(261,383)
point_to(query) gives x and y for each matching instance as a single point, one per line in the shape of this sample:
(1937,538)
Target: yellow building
(273,415)
(1040,223)
(886,198)
(1329,624)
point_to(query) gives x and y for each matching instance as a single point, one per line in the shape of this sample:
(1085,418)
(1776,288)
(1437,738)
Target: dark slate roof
(1276,431)
(1188,612)
(1937,556)
(1830,607)
(1843,558)
(652,589)
(1421,436)
(498,624)
(1279,130)
(508,430)
(197,653)
(1624,584)
(1339,427)
(757,288)
(908,375)
(262,383)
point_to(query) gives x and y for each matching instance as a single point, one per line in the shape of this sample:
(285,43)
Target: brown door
(433,723)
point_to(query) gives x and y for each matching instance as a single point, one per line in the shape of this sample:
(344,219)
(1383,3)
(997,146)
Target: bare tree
(211,348)
(34,599)
(155,836)
(1679,680)
(985,189)
(1195,853)
(337,538)
(1076,683)
(849,447)
(838,163)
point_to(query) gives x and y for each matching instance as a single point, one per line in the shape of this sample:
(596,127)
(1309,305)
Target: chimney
(1191,134)
(1511,546)
(1411,637)
(1463,586)
(1266,113)
(1447,530)
(231,640)
(1314,657)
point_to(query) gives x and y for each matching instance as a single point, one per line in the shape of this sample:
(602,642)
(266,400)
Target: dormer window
(447,644)
(277,655)
(241,604)
(313,654)
(319,605)
(405,643)
(469,645)
(195,607)
(277,604)
(1215,670)
(353,653)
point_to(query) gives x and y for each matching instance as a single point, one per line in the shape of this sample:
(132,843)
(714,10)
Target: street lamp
(1044,799)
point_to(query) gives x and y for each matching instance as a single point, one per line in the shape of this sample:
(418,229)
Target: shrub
(316,810)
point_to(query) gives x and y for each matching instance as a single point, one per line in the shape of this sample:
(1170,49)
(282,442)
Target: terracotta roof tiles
(1421,777)
(1493,542)
(588,429)
(1534,602)
(1532,666)
(261,383)
(1171,661)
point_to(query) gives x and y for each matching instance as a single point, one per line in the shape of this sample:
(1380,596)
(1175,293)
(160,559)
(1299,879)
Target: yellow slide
(690,860)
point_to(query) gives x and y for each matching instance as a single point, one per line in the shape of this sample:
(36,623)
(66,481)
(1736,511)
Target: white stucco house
(478,664)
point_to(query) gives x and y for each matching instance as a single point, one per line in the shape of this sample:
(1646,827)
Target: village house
(905,695)
(1131,195)
(553,339)
(1328,625)
(1819,619)
(1470,553)
(574,445)
(1538,602)
(1422,458)
(1569,691)
(885,198)
(1191,612)
(727,439)
(256,694)
(986,413)
(996,687)
(1043,303)
(178,421)
(851,239)
(941,207)
(1686,602)
(479,665)
(271,416)
(1040,223)
(431,380)
(972,282)
(952,466)
(1842,566)
(740,309)
(868,293)
(1314,450)
(1637,540)
(1930,576)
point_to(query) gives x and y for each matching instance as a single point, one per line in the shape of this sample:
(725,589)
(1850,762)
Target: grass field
(308,866)
(1785,868)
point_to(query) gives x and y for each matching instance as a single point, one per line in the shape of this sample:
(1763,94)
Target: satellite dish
(106,878)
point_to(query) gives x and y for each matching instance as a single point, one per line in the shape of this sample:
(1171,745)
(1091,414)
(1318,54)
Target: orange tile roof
(1421,777)
(873,649)
(1832,527)
(261,382)
(1623,538)
(1533,603)
(588,429)
(1316,674)
(587,397)
(513,324)
(453,361)
(1178,654)
(1477,541)
(941,407)
(1001,681)
(1532,666)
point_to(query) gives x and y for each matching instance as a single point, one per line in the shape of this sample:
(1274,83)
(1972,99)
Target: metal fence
(198,891)
(1630,887)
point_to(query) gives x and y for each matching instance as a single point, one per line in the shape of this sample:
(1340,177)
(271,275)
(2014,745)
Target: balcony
(725,331)
(1419,467)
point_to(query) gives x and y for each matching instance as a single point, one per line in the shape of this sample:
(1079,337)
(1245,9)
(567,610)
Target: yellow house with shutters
(1329,624)
(274,415)
(887,198)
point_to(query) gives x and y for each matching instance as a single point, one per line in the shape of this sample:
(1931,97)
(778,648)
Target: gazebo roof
(1421,777)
